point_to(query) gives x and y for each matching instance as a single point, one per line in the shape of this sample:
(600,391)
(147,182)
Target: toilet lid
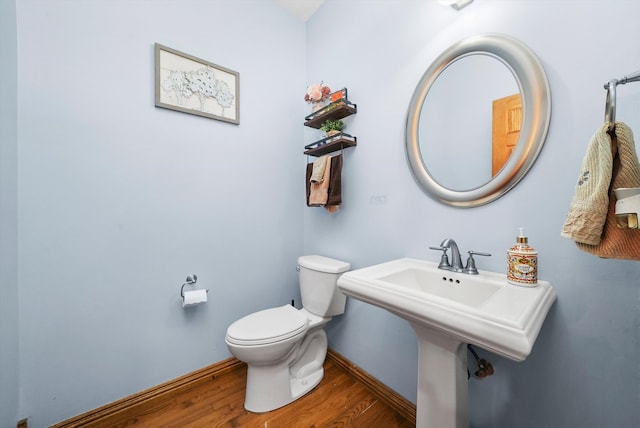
(268,326)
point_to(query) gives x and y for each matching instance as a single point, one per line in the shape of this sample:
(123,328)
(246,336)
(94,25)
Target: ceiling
(303,9)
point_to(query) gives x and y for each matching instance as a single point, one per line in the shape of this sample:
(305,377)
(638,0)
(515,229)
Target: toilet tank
(318,285)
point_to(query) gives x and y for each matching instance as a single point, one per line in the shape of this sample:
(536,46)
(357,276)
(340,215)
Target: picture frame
(192,85)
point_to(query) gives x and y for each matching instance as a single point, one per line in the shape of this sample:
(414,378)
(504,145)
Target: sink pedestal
(442,380)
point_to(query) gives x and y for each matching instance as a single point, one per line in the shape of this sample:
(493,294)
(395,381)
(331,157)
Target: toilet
(285,347)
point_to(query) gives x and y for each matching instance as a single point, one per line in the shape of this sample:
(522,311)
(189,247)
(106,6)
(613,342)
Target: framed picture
(192,85)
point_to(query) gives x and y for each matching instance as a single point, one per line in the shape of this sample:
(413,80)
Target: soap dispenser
(522,263)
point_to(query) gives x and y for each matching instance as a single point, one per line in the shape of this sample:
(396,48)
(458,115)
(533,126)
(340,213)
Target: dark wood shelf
(340,108)
(331,144)
(333,111)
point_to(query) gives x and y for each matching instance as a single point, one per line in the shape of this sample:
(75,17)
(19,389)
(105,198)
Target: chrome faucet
(456,261)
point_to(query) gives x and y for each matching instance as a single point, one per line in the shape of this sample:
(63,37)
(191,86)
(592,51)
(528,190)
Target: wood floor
(339,401)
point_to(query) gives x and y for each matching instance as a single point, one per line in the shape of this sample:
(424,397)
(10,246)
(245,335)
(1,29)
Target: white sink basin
(470,290)
(484,309)
(447,310)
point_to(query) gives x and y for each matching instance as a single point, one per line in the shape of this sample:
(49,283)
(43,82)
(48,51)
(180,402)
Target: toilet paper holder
(191,279)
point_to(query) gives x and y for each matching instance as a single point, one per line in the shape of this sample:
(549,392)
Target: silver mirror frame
(536,116)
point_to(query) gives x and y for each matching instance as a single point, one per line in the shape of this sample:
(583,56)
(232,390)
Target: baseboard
(132,405)
(391,398)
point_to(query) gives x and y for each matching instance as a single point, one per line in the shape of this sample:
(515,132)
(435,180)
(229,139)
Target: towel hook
(610,107)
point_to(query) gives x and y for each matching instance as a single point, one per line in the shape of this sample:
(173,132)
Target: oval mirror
(472,86)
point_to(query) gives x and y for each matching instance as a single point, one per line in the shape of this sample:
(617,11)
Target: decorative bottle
(522,263)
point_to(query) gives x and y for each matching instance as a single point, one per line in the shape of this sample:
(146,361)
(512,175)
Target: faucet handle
(470,268)
(444,260)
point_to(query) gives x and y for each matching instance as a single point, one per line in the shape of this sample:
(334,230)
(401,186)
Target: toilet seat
(268,326)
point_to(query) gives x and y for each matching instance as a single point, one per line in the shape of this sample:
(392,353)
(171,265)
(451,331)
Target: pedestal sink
(448,310)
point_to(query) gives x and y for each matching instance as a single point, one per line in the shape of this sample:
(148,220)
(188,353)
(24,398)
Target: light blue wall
(9,366)
(120,201)
(584,369)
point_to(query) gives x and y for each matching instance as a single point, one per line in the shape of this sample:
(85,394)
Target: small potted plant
(332,127)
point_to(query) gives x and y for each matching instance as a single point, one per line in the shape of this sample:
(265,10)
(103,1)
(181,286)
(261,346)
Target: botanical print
(196,87)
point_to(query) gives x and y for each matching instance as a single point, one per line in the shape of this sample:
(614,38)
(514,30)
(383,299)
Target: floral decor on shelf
(317,95)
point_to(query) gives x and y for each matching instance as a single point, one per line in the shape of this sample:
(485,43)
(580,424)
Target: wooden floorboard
(340,400)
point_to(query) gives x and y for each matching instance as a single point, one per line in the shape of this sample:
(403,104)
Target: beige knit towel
(614,242)
(588,210)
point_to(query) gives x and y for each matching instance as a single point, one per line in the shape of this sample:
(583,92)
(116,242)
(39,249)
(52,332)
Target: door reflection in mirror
(458,122)
(507,121)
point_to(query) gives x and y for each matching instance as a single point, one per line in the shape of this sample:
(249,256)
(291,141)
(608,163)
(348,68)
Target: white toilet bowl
(285,347)
(268,336)
(284,361)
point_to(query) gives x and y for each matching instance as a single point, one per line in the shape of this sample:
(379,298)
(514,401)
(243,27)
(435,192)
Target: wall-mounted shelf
(330,144)
(339,108)
(334,111)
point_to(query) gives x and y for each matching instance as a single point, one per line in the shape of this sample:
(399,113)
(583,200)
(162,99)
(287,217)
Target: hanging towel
(319,192)
(588,210)
(327,194)
(334,196)
(319,165)
(615,242)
